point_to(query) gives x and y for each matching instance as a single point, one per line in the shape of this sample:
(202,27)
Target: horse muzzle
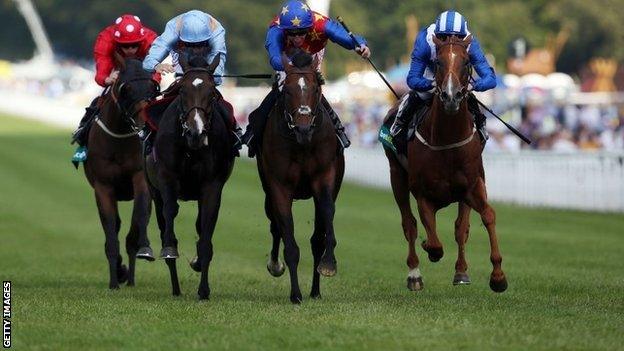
(196,141)
(303,134)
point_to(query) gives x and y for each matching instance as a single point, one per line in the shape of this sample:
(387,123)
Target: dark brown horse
(191,160)
(300,159)
(445,166)
(114,167)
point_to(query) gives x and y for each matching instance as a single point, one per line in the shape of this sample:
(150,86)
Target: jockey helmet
(195,27)
(451,22)
(295,15)
(128,30)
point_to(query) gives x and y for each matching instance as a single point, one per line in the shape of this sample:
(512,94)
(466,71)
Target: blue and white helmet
(195,27)
(451,22)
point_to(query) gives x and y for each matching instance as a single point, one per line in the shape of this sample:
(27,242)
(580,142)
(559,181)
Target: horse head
(453,69)
(302,95)
(198,94)
(133,89)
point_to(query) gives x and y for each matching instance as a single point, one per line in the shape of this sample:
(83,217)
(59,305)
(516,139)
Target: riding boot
(340,131)
(257,121)
(404,113)
(81,133)
(479,117)
(230,122)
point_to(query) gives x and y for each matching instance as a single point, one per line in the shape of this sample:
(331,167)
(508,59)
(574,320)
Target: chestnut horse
(114,167)
(191,160)
(300,158)
(444,165)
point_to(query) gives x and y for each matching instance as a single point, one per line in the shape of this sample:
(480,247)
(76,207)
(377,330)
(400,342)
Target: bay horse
(114,167)
(444,165)
(191,159)
(300,158)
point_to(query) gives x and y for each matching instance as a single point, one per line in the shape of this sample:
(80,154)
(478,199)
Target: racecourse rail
(580,180)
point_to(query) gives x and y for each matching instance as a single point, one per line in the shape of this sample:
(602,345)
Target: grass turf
(564,269)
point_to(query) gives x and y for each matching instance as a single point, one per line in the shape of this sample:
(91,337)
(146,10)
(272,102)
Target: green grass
(565,272)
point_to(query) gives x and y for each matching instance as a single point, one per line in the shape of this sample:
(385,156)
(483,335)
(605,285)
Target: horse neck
(113,117)
(443,129)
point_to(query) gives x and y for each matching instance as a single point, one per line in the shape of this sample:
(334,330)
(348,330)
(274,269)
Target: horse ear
(120,63)
(286,63)
(215,63)
(468,39)
(183,61)
(437,41)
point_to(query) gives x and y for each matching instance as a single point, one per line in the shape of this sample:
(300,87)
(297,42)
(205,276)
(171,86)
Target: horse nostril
(445,95)
(458,95)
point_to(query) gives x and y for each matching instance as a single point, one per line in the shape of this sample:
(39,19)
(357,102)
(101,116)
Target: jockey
(421,77)
(299,28)
(193,33)
(128,37)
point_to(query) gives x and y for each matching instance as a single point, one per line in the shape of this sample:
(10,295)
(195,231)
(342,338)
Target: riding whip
(514,130)
(368,58)
(248,76)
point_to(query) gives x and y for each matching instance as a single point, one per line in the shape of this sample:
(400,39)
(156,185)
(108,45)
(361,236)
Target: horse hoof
(203,295)
(296,299)
(130,284)
(435,253)
(415,284)
(195,265)
(498,285)
(145,253)
(276,269)
(315,295)
(113,287)
(461,279)
(122,274)
(327,268)
(169,252)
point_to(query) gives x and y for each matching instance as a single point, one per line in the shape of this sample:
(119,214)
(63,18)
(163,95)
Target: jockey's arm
(103,50)
(274,46)
(217,47)
(487,77)
(161,46)
(421,57)
(336,33)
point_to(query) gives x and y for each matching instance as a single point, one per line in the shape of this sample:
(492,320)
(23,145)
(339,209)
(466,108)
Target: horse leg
(274,266)
(211,202)
(432,245)
(400,189)
(140,217)
(282,212)
(195,264)
(109,217)
(169,242)
(477,199)
(317,242)
(325,206)
(462,225)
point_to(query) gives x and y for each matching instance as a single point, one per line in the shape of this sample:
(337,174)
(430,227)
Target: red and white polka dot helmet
(128,29)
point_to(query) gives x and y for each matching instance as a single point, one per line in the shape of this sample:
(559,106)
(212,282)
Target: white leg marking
(414,273)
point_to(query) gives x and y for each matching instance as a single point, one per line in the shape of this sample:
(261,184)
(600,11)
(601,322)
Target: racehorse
(300,158)
(191,160)
(114,167)
(444,165)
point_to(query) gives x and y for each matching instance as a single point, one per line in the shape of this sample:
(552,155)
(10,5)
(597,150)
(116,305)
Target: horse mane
(301,59)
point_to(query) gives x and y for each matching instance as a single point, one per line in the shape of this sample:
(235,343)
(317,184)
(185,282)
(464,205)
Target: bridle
(303,109)
(126,108)
(183,113)
(464,90)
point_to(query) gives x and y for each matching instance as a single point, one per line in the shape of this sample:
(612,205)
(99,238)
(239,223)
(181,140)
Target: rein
(437,92)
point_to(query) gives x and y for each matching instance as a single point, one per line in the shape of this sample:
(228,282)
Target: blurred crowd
(549,118)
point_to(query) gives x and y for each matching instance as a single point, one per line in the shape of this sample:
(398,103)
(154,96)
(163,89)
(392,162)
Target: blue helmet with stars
(295,15)
(451,22)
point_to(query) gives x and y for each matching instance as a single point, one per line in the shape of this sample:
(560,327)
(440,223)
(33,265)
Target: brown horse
(114,167)
(300,158)
(191,160)
(445,166)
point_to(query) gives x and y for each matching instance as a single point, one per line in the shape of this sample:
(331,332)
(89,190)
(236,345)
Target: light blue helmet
(195,27)
(295,15)
(451,22)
